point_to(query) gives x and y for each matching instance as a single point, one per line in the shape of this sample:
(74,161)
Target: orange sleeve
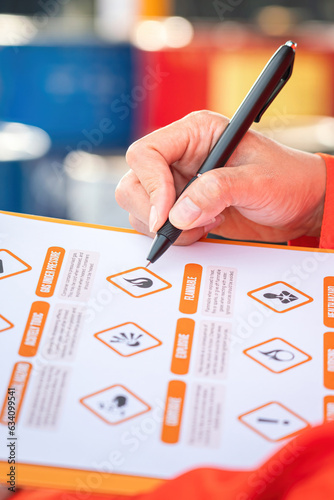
(301,470)
(327,228)
(326,239)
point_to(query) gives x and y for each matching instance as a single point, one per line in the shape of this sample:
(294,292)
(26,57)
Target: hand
(275,194)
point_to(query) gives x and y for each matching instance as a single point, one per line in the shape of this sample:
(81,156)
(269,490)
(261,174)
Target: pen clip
(278,88)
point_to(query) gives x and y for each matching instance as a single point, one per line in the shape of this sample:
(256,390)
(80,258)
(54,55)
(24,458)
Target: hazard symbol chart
(122,376)
(277,355)
(128,339)
(115,404)
(280,297)
(11,264)
(274,421)
(139,282)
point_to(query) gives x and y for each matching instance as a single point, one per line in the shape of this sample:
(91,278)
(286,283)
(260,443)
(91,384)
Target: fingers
(181,146)
(210,194)
(132,197)
(186,237)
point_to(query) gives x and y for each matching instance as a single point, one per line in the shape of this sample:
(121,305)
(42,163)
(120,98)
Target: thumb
(209,195)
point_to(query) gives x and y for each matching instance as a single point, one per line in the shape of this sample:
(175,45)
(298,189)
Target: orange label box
(329,409)
(34,328)
(190,288)
(329,360)
(18,381)
(329,301)
(49,275)
(173,412)
(182,346)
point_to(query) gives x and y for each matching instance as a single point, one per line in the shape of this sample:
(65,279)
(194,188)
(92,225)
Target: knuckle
(211,187)
(119,194)
(132,152)
(207,117)
(152,186)
(124,188)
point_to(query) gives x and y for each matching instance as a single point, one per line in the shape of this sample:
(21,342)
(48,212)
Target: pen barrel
(169,231)
(262,90)
(165,237)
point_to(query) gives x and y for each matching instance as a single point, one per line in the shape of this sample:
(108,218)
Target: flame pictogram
(140,282)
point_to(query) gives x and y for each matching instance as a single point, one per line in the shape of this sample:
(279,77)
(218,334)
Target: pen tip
(149,262)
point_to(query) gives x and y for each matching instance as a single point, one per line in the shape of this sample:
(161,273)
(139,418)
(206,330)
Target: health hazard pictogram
(139,282)
(128,339)
(277,355)
(274,421)
(5,324)
(280,296)
(115,404)
(11,265)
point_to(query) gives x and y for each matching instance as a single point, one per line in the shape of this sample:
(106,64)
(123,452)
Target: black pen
(271,80)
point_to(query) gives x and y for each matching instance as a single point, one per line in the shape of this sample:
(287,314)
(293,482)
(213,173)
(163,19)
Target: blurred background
(82,79)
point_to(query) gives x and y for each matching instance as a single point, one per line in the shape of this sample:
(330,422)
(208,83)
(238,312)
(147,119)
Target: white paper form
(123,376)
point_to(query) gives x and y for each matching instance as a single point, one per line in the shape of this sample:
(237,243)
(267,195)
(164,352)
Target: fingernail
(153,219)
(185,212)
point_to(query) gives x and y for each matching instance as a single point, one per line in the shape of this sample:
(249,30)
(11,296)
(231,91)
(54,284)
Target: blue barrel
(79,94)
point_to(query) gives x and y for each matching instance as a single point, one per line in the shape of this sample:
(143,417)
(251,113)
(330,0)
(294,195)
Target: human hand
(275,194)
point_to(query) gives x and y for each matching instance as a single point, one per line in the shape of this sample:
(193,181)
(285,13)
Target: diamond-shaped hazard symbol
(5,324)
(139,282)
(274,421)
(10,264)
(115,404)
(127,339)
(280,297)
(277,355)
